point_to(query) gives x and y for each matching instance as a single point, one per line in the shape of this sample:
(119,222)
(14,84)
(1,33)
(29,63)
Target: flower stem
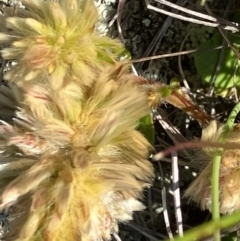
(216,168)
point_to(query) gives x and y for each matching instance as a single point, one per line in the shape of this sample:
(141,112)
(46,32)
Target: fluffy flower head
(86,168)
(229,186)
(56,41)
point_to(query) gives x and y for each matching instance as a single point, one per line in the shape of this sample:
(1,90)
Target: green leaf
(146,127)
(205,63)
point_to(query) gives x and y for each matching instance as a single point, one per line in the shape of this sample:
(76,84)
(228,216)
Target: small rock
(146,22)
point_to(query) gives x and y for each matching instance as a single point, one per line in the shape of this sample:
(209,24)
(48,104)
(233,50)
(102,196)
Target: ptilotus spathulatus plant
(55,42)
(74,163)
(229,185)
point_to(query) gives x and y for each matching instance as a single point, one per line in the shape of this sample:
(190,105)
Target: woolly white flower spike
(22,135)
(20,186)
(83,155)
(121,207)
(55,43)
(64,104)
(229,186)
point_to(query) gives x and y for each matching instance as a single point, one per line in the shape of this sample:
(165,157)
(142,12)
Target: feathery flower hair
(84,168)
(200,189)
(56,42)
(73,155)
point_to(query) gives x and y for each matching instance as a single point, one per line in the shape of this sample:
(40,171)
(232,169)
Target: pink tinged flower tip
(9,197)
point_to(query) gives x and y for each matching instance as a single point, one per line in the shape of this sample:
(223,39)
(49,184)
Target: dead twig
(180,63)
(159,35)
(176,193)
(174,54)
(216,22)
(164,203)
(224,34)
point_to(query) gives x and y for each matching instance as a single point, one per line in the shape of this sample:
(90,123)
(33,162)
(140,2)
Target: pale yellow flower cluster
(73,152)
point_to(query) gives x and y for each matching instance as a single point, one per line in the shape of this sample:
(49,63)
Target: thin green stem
(215,191)
(206,229)
(232,117)
(216,168)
